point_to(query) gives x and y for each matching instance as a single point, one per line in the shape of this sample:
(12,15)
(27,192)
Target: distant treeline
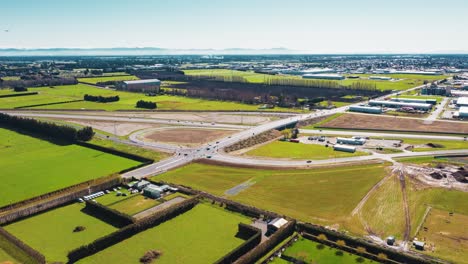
(101,99)
(146,104)
(37,82)
(60,132)
(270,80)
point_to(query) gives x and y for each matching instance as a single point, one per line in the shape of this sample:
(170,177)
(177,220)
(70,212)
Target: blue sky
(326,26)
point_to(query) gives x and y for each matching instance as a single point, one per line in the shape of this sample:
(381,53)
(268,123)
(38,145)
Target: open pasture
(279,149)
(95,80)
(33,166)
(51,232)
(202,235)
(66,93)
(325,195)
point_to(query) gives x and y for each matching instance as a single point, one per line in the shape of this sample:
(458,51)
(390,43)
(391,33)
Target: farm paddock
(52,232)
(377,122)
(33,166)
(201,235)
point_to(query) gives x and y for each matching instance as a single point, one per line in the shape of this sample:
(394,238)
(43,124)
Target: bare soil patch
(371,122)
(187,136)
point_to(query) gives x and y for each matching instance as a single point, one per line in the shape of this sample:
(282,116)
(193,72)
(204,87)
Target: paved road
(439,108)
(123,119)
(378,134)
(301,163)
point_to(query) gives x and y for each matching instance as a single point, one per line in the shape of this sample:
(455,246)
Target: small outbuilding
(276,224)
(339,147)
(391,240)
(152,191)
(419,245)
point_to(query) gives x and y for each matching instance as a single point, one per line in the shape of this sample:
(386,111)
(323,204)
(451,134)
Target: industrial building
(150,85)
(344,148)
(463,112)
(350,141)
(276,224)
(443,90)
(365,109)
(393,104)
(414,100)
(324,76)
(462,101)
(381,78)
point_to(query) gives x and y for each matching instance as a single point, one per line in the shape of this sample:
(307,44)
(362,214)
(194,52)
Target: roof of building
(462,101)
(278,222)
(143,81)
(153,188)
(463,109)
(419,243)
(344,147)
(400,104)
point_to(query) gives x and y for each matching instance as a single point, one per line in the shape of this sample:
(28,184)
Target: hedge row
(64,102)
(20,244)
(101,99)
(57,198)
(259,251)
(131,230)
(20,94)
(115,152)
(353,242)
(48,129)
(348,249)
(146,104)
(255,237)
(111,215)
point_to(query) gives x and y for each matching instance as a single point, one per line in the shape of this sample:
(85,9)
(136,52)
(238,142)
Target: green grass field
(438,198)
(51,233)
(279,149)
(202,235)
(383,212)
(445,144)
(32,166)
(447,234)
(95,80)
(127,100)
(324,195)
(131,205)
(312,252)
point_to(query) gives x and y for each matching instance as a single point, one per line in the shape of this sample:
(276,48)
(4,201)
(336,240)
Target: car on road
(309,161)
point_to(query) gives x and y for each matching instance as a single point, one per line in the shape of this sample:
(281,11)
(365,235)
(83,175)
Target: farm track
(368,194)
(402,179)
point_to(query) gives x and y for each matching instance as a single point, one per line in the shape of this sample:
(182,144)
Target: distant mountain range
(138,51)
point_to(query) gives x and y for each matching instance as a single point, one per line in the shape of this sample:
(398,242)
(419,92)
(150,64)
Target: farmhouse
(150,85)
(398,105)
(276,224)
(141,185)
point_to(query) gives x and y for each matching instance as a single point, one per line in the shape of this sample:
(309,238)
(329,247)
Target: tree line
(101,99)
(48,129)
(146,104)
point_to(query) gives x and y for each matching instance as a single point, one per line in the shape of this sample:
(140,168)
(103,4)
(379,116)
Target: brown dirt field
(187,136)
(371,122)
